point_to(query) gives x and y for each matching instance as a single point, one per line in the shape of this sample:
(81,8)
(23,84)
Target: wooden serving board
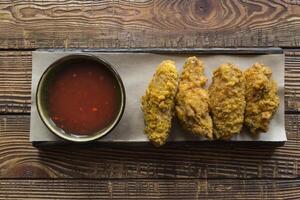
(136,67)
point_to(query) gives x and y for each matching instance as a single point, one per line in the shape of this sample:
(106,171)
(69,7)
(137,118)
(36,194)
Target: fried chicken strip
(227,101)
(262,99)
(192,99)
(158,102)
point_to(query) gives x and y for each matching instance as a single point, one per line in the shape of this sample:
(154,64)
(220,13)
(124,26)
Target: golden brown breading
(227,101)
(262,99)
(192,99)
(158,102)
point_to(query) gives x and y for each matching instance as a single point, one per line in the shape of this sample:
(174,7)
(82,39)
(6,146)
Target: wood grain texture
(15,81)
(149,23)
(292,81)
(18,159)
(198,171)
(227,189)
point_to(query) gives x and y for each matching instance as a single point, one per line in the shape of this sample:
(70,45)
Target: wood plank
(292,81)
(149,23)
(18,159)
(150,189)
(15,81)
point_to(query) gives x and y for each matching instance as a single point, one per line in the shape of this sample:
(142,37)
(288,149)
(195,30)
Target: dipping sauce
(83,97)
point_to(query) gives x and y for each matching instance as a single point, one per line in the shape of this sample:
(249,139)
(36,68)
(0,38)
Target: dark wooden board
(243,51)
(208,160)
(149,23)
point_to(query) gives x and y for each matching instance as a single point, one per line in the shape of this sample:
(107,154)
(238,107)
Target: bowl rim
(72,137)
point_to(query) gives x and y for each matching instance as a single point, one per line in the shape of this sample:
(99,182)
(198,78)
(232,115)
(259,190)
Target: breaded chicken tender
(192,107)
(158,102)
(227,101)
(262,99)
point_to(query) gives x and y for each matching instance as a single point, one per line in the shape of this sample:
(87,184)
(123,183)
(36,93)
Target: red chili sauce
(83,97)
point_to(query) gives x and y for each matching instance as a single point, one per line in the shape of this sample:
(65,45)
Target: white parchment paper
(136,70)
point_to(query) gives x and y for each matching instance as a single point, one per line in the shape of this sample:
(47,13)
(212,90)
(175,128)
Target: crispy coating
(192,99)
(262,99)
(158,102)
(227,101)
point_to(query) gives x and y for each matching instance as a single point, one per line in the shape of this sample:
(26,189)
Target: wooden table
(187,171)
